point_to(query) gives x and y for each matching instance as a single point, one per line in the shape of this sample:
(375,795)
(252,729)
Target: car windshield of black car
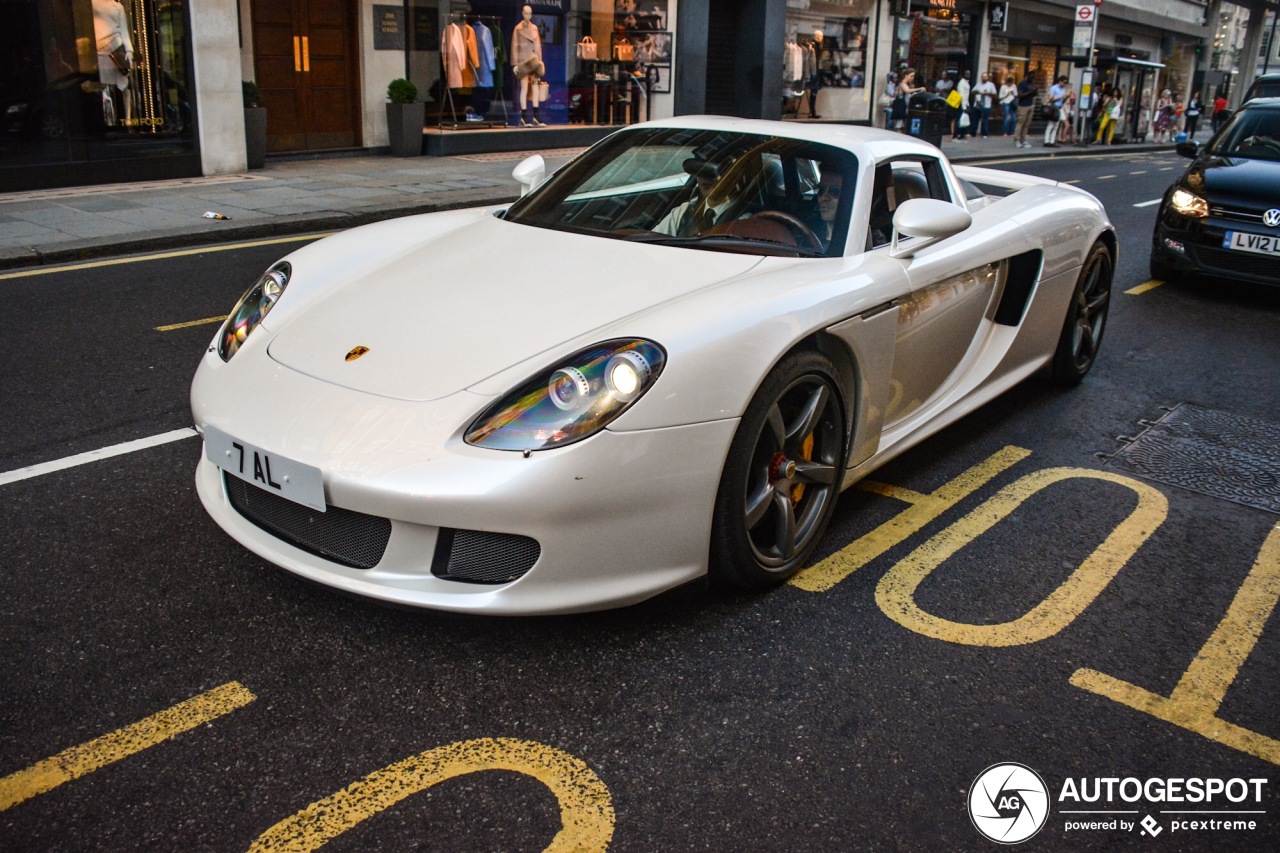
(1252,133)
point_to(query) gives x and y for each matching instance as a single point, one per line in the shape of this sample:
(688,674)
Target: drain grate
(1215,453)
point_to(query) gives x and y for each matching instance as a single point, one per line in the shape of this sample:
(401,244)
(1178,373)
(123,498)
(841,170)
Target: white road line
(94,455)
(1148,203)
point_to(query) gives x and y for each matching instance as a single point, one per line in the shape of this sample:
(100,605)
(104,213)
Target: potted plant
(255,126)
(405,114)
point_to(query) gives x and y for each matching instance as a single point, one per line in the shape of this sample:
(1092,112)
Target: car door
(940,319)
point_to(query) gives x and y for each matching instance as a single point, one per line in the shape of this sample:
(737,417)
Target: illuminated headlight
(252,307)
(572,400)
(1189,204)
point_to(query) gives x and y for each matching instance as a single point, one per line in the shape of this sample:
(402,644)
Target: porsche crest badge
(356,352)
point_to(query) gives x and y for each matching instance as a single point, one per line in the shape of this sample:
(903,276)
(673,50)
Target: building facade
(100,91)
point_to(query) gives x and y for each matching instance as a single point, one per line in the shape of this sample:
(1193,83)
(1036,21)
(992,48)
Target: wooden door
(305,61)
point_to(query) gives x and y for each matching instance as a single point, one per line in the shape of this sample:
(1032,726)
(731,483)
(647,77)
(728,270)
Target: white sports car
(665,360)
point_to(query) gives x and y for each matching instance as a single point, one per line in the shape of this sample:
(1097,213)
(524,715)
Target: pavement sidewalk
(297,196)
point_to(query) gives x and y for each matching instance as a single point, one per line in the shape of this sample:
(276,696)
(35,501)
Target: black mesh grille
(350,538)
(475,556)
(1227,261)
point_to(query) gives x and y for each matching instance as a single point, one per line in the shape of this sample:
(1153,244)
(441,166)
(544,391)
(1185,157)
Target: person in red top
(1219,112)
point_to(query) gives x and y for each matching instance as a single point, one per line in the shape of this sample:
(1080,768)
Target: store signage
(997,17)
(388,28)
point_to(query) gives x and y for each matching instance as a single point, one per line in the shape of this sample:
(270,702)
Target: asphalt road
(191,696)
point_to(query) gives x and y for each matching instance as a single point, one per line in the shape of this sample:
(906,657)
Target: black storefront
(95,91)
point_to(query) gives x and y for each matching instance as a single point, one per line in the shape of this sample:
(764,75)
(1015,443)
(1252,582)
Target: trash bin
(927,117)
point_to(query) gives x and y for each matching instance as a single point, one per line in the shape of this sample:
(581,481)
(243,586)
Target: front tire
(782,475)
(1086,319)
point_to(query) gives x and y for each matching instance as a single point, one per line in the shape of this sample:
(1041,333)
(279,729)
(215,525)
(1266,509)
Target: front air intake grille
(1226,261)
(476,556)
(340,535)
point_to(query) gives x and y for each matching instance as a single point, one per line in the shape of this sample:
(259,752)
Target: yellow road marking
(159,256)
(825,574)
(44,776)
(1144,287)
(896,591)
(586,806)
(1194,702)
(1072,181)
(190,323)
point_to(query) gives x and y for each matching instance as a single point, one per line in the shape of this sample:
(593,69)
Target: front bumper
(1202,252)
(617,518)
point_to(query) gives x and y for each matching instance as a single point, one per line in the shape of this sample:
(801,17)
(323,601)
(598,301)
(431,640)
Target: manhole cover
(1214,453)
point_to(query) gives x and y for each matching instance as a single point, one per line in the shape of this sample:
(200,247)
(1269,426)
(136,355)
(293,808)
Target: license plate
(267,470)
(1243,241)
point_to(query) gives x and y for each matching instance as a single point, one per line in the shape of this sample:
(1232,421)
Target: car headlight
(252,307)
(571,401)
(1189,204)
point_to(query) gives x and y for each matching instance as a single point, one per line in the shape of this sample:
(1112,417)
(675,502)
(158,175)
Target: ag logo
(1271,217)
(1008,803)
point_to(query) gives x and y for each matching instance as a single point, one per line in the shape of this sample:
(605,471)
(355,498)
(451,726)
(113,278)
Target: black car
(1264,86)
(1221,219)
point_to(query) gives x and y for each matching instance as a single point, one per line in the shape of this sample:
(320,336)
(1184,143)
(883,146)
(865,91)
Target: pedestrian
(1113,111)
(943,85)
(1192,114)
(906,88)
(964,123)
(1009,111)
(886,98)
(1219,112)
(955,113)
(1053,112)
(1066,118)
(1164,118)
(1027,91)
(984,95)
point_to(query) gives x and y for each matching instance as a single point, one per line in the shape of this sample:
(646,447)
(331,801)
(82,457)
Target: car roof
(1272,103)
(873,144)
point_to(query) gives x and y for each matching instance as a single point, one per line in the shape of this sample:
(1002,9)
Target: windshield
(703,189)
(1250,133)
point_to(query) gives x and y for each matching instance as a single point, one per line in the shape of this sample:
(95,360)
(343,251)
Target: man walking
(1027,91)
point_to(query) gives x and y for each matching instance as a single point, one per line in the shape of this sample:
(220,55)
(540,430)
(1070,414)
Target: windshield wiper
(727,241)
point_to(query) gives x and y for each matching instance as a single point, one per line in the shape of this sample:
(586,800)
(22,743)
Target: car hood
(1237,181)
(464,305)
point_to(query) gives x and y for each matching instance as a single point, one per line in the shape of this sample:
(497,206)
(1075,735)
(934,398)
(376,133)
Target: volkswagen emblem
(1272,217)
(356,352)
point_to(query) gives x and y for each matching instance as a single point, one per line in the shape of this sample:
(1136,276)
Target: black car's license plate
(1243,241)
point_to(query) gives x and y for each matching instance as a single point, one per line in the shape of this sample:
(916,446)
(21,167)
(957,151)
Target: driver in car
(694,216)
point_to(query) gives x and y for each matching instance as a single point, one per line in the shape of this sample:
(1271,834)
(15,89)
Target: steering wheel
(794,222)
(1261,142)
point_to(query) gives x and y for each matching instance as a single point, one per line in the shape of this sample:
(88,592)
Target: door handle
(297,54)
(306,55)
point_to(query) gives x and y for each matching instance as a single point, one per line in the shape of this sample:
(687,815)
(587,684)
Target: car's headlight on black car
(572,400)
(252,307)
(1189,204)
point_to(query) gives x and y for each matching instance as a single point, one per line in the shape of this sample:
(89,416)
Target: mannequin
(111,29)
(526,44)
(813,72)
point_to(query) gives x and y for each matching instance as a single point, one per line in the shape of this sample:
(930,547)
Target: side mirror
(928,220)
(1188,149)
(530,172)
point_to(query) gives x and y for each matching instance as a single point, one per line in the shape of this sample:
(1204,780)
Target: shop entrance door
(304,59)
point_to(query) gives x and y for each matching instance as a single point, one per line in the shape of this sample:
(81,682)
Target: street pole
(1087,98)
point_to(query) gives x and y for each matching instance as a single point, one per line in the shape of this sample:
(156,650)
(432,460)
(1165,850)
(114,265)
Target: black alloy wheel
(782,477)
(1086,318)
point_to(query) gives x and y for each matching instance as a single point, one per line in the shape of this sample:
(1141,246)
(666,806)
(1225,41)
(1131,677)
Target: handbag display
(587,48)
(120,59)
(624,52)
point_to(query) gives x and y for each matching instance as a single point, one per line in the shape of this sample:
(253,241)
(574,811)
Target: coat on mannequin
(111,29)
(813,72)
(526,44)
